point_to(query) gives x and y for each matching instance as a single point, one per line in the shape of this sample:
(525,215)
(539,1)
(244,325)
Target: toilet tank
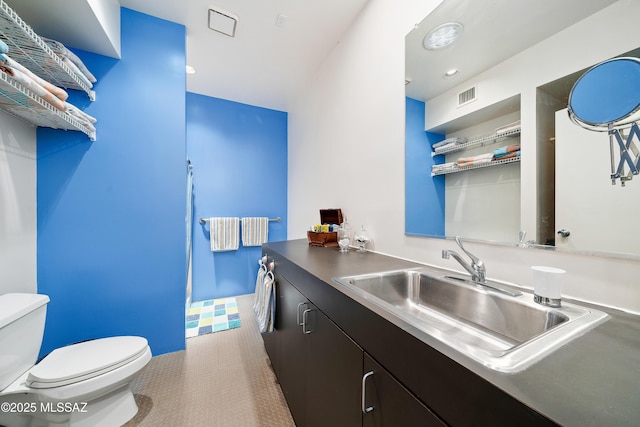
(22,319)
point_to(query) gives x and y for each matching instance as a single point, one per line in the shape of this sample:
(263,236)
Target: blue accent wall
(239,156)
(424,194)
(111,236)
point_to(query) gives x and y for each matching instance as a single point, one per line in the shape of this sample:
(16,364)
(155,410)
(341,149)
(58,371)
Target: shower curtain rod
(278,219)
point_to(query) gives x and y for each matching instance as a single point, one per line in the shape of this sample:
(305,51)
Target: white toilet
(85,384)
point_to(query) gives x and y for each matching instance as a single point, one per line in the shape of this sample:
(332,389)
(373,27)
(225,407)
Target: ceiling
(263,65)
(494,30)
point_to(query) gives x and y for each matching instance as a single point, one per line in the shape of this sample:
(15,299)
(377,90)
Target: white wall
(346,149)
(617,206)
(346,130)
(17,206)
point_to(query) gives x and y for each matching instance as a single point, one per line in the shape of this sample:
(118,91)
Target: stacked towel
(44,89)
(503,152)
(71,60)
(36,84)
(449,143)
(507,152)
(255,231)
(510,155)
(475,160)
(443,167)
(223,233)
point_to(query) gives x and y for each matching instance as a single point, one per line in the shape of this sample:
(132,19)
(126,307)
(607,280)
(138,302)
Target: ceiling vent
(467,96)
(223,22)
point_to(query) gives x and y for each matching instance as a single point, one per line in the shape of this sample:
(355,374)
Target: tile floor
(222,379)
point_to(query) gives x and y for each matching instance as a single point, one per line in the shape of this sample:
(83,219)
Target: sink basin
(504,331)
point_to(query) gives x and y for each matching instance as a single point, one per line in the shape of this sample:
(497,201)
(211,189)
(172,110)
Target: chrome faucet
(476,268)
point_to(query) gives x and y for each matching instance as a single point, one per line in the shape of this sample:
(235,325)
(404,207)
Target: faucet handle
(445,254)
(474,258)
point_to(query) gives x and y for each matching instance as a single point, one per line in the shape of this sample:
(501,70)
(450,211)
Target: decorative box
(327,216)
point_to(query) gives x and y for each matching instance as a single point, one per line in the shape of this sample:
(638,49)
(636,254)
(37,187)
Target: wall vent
(467,96)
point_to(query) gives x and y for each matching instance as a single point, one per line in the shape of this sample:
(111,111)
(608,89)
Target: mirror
(517,63)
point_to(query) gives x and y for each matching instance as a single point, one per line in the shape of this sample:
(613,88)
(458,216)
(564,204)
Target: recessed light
(451,73)
(190,69)
(443,35)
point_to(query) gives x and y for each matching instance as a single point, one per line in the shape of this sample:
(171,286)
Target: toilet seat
(85,360)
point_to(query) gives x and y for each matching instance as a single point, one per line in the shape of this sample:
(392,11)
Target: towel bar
(278,219)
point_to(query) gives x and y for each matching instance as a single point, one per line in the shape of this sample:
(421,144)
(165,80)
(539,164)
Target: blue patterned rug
(205,317)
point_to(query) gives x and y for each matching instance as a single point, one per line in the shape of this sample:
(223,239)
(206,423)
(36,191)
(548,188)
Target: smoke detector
(223,22)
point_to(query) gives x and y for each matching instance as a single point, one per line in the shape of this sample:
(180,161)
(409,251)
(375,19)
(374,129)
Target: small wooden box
(327,216)
(331,216)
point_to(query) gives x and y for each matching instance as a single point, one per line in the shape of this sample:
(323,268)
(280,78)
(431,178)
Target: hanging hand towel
(262,271)
(266,313)
(223,234)
(255,231)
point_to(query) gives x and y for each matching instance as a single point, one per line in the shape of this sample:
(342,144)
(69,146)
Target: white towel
(223,234)
(255,231)
(262,271)
(265,314)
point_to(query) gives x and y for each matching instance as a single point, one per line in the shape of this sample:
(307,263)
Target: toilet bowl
(84,384)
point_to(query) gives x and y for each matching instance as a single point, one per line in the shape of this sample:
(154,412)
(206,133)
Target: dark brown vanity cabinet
(319,367)
(322,372)
(326,378)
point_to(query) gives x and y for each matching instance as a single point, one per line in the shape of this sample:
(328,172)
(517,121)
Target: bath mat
(205,317)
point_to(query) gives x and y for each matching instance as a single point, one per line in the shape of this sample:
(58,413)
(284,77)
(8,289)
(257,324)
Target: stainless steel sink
(503,331)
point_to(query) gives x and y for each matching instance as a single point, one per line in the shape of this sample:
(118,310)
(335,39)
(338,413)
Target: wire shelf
(478,166)
(484,140)
(27,48)
(22,103)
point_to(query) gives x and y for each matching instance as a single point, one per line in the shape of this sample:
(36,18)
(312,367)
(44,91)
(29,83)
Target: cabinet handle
(298,313)
(304,321)
(365,409)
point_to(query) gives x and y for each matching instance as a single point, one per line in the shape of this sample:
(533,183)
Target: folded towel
(475,160)
(32,85)
(443,166)
(503,151)
(265,314)
(445,146)
(509,155)
(223,234)
(55,90)
(77,71)
(255,231)
(453,141)
(62,51)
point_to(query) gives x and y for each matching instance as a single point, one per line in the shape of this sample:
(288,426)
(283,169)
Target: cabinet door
(292,363)
(387,403)
(334,374)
